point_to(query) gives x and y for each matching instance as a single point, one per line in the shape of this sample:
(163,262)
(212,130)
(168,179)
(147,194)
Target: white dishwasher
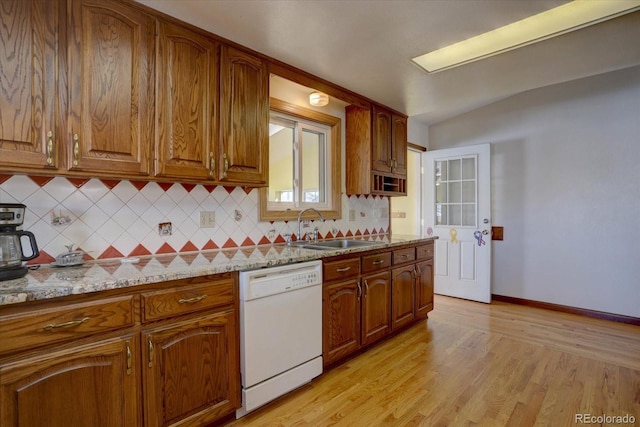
(280,331)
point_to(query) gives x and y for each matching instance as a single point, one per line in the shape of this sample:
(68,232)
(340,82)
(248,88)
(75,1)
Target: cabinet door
(29,133)
(244,118)
(381,140)
(94,384)
(424,288)
(399,145)
(111,60)
(376,307)
(190,370)
(341,320)
(403,296)
(187,109)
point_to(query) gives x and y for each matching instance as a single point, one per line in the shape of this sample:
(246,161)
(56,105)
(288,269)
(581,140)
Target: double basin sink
(334,244)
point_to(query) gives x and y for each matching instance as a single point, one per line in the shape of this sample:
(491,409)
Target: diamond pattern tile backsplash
(115,219)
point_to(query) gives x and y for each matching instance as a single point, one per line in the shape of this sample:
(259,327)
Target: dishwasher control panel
(274,280)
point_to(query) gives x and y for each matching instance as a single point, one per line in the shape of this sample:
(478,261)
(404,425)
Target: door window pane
(456,191)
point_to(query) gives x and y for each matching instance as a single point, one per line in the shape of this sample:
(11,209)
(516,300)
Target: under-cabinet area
(121,353)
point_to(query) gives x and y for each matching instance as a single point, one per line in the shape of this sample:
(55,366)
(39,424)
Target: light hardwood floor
(476,364)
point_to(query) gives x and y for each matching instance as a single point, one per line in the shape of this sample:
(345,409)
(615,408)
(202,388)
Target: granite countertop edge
(49,282)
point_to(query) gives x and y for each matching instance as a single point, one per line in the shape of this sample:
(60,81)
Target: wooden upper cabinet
(30,136)
(244,118)
(399,145)
(111,60)
(381,141)
(187,103)
(376,151)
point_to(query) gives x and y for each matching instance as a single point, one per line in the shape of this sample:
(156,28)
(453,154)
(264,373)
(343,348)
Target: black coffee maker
(11,251)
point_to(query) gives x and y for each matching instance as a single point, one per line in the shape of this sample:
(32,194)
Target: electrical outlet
(352,215)
(207,219)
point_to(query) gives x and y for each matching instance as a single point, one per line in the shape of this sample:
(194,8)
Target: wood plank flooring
(476,364)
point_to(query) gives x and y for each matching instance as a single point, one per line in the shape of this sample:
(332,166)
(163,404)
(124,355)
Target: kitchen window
(304,163)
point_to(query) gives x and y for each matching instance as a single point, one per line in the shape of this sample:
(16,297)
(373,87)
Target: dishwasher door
(280,331)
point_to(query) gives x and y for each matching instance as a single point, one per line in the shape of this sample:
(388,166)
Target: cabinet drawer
(404,255)
(376,262)
(424,251)
(44,326)
(342,269)
(189,298)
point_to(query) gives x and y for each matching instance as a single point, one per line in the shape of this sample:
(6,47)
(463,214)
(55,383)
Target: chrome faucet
(299,235)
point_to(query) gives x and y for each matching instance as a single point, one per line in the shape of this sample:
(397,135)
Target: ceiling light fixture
(553,22)
(318,99)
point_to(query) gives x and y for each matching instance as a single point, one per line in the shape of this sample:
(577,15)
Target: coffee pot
(11,251)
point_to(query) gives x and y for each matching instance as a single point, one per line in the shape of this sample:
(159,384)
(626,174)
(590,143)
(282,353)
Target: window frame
(333,168)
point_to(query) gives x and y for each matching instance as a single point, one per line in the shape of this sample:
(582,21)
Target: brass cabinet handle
(378,262)
(194,299)
(128,358)
(419,271)
(359,291)
(212,164)
(366,288)
(49,148)
(76,149)
(404,256)
(342,270)
(150,342)
(226,165)
(66,324)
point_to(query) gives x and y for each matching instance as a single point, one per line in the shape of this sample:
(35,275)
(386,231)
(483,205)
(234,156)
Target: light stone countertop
(51,282)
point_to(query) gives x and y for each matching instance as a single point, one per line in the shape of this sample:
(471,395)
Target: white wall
(566,187)
(417,132)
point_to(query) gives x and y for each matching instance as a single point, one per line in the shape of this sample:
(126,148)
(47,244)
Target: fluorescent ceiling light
(560,20)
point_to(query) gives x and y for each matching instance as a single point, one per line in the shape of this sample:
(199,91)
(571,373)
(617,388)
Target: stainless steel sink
(335,244)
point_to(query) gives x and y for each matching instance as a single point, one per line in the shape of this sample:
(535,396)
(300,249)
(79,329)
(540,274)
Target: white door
(457,209)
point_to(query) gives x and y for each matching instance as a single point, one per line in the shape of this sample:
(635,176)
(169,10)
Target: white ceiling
(366,46)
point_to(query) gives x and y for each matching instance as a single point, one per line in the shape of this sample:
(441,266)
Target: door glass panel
(441,215)
(455,195)
(469,192)
(469,214)
(454,170)
(456,191)
(455,214)
(441,171)
(441,193)
(469,168)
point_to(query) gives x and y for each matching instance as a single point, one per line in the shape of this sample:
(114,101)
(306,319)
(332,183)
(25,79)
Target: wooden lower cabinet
(361,306)
(403,296)
(165,355)
(95,384)
(424,288)
(341,320)
(376,301)
(189,370)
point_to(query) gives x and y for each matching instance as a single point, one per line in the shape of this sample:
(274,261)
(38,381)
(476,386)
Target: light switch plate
(352,215)
(207,219)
